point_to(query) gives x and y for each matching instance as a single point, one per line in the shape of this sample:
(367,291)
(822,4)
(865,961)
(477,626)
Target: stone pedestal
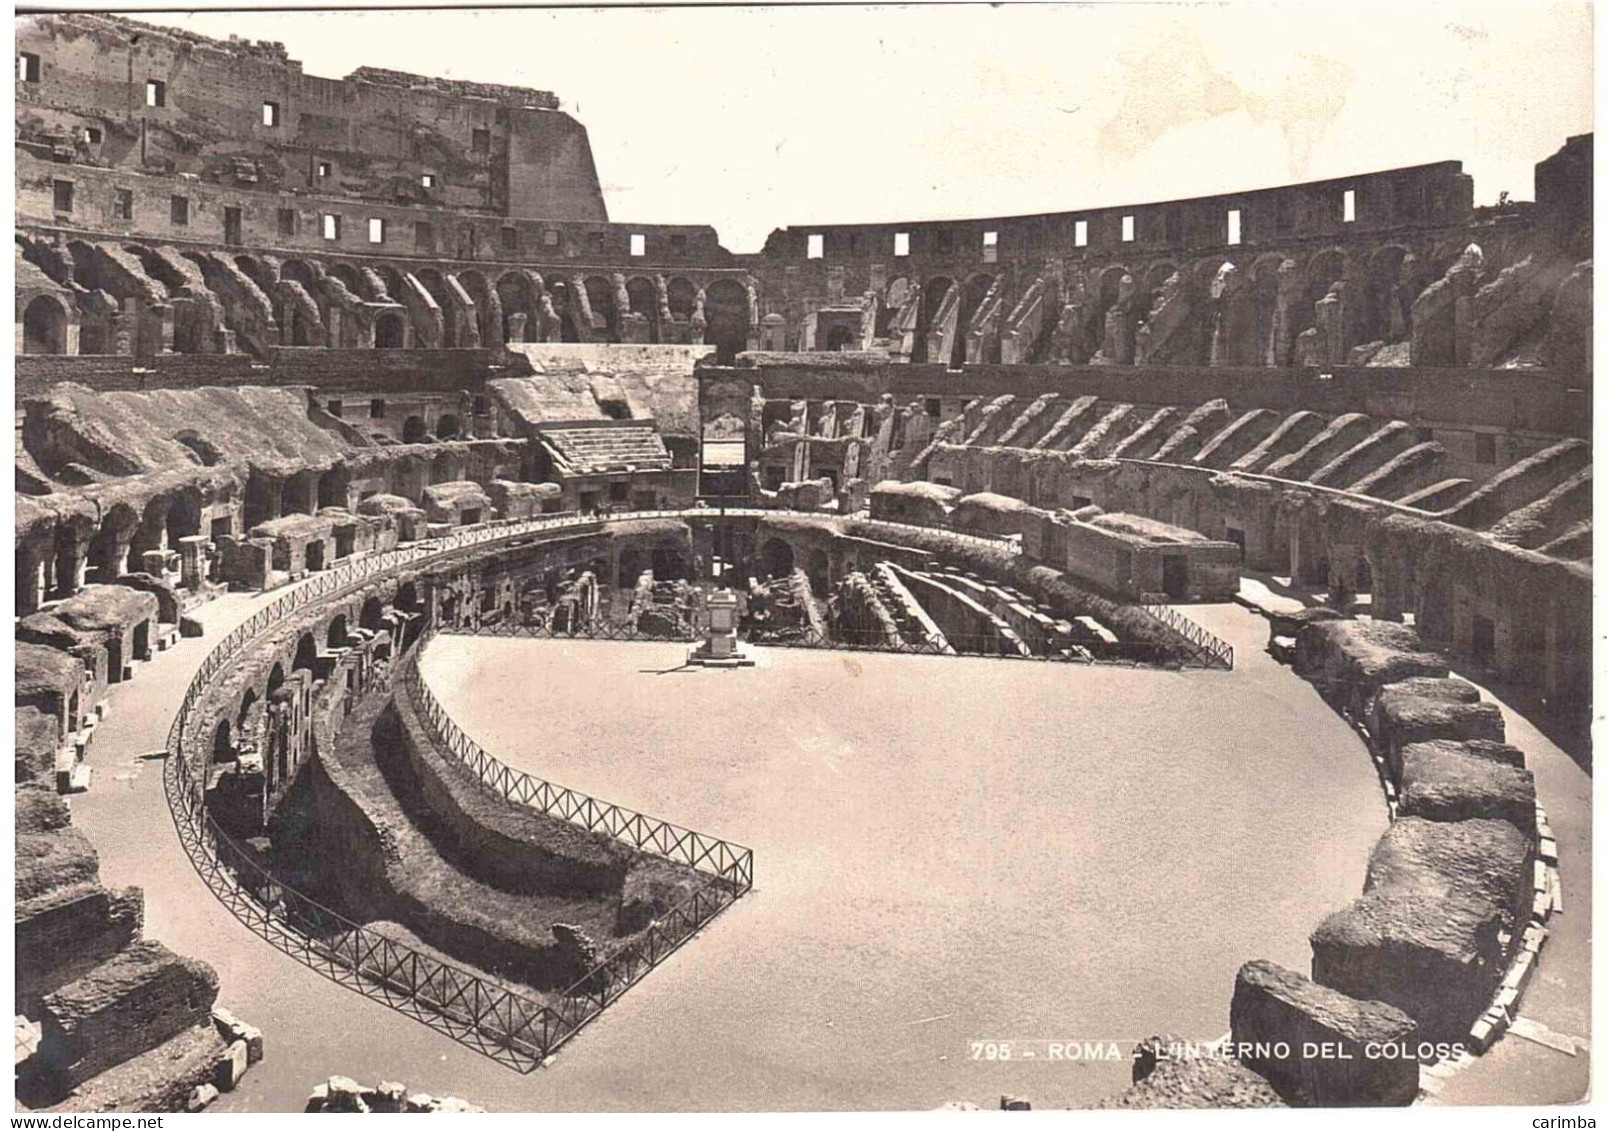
(719,647)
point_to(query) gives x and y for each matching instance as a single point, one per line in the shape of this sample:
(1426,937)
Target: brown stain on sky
(1176,84)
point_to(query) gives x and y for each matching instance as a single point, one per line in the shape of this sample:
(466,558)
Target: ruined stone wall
(374,134)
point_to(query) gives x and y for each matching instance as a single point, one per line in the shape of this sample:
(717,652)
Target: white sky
(752,119)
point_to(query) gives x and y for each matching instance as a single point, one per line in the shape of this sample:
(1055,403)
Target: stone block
(1392,696)
(1342,1052)
(1451,786)
(1405,720)
(231,1067)
(1488,859)
(418,1101)
(129,1004)
(190,627)
(1349,660)
(1174,1080)
(201,1097)
(345,1094)
(1438,958)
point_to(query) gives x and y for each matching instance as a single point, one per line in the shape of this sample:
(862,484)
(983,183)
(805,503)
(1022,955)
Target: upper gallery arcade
(178,194)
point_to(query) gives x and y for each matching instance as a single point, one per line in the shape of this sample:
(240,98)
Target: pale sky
(755,118)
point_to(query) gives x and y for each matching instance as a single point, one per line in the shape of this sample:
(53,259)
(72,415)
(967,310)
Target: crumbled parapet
(126,1006)
(1408,720)
(1485,858)
(1320,1047)
(1446,785)
(343,1094)
(1169,1072)
(1349,660)
(1391,697)
(1500,752)
(1437,957)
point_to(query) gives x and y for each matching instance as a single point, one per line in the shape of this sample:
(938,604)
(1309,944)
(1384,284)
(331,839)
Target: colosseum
(441,608)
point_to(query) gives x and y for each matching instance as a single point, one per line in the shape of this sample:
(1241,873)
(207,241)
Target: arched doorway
(778,558)
(725,304)
(44,326)
(669,564)
(932,296)
(819,570)
(413,430)
(839,338)
(448,427)
(390,331)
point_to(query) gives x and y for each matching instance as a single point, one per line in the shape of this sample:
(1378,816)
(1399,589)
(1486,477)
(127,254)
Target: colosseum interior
(351,434)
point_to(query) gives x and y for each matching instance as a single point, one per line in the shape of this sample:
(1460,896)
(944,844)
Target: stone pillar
(516,327)
(332,319)
(192,555)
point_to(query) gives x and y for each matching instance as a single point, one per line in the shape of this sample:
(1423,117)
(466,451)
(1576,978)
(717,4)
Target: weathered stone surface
(1392,695)
(1172,1077)
(1446,785)
(1342,1052)
(1501,752)
(231,1067)
(131,1003)
(1436,957)
(1408,719)
(1488,859)
(190,627)
(1349,660)
(202,1097)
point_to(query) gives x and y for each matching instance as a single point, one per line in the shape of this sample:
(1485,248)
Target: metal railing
(732,864)
(1212,649)
(510,1026)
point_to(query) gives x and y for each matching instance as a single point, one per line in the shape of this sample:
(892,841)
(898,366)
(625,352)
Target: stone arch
(1264,306)
(605,318)
(777,556)
(448,427)
(390,330)
(630,568)
(933,293)
(893,300)
(643,300)
(44,325)
(391,279)
(1386,309)
(334,486)
(414,430)
(306,658)
(335,635)
(435,283)
(818,568)
(681,295)
(257,271)
(1323,270)
(487,308)
(726,306)
(976,289)
(372,614)
(839,338)
(669,562)
(183,516)
(108,549)
(516,295)
(276,677)
(563,306)
(352,279)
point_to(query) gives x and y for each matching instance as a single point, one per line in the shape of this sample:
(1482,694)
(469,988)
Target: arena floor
(946,851)
(788,999)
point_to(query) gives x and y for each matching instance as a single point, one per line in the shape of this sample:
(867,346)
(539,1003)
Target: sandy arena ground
(947,849)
